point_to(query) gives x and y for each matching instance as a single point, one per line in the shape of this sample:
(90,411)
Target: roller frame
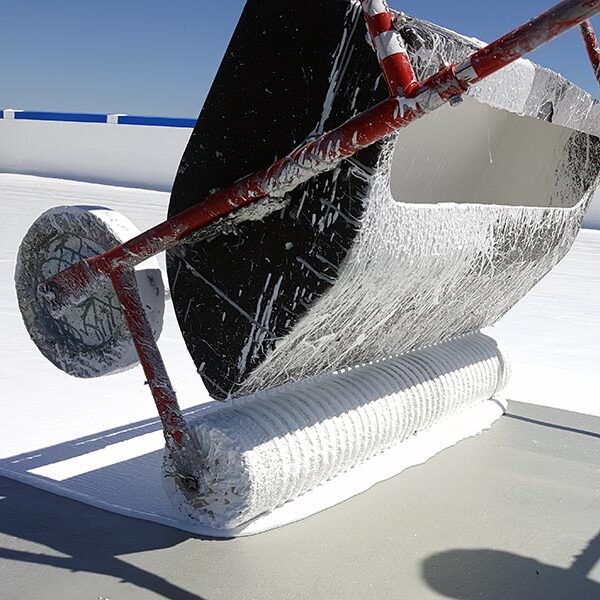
(591,45)
(409,100)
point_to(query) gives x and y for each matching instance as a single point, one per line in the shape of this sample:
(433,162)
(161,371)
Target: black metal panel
(243,286)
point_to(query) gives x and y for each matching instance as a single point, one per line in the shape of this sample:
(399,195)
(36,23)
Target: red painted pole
(180,443)
(157,378)
(323,154)
(591,45)
(455,79)
(78,281)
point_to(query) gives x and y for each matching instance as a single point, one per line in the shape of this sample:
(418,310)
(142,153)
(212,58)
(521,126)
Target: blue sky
(159,58)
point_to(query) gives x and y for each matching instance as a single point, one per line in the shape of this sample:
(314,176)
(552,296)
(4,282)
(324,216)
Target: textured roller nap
(266,450)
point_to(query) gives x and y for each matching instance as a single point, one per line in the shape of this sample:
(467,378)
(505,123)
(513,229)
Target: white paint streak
(341,59)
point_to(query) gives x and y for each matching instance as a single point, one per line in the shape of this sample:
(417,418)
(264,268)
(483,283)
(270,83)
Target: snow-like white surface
(103,436)
(552,336)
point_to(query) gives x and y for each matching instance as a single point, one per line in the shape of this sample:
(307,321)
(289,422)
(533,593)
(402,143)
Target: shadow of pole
(586,561)
(91,538)
(481,573)
(111,566)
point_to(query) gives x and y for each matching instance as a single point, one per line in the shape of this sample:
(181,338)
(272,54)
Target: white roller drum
(263,451)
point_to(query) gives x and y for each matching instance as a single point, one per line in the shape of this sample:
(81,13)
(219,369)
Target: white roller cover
(268,449)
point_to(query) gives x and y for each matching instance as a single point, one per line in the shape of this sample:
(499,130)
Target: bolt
(46,293)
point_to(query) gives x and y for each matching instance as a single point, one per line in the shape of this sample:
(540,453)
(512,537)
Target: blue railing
(156,121)
(116,119)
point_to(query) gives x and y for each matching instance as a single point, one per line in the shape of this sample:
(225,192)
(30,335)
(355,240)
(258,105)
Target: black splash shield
(292,70)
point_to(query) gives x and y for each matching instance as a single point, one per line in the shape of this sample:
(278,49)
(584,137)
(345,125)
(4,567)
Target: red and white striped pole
(389,46)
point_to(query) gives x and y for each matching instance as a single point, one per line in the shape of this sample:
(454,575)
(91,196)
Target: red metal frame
(157,378)
(591,45)
(409,100)
(177,436)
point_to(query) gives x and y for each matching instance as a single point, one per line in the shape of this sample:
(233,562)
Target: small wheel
(90,339)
